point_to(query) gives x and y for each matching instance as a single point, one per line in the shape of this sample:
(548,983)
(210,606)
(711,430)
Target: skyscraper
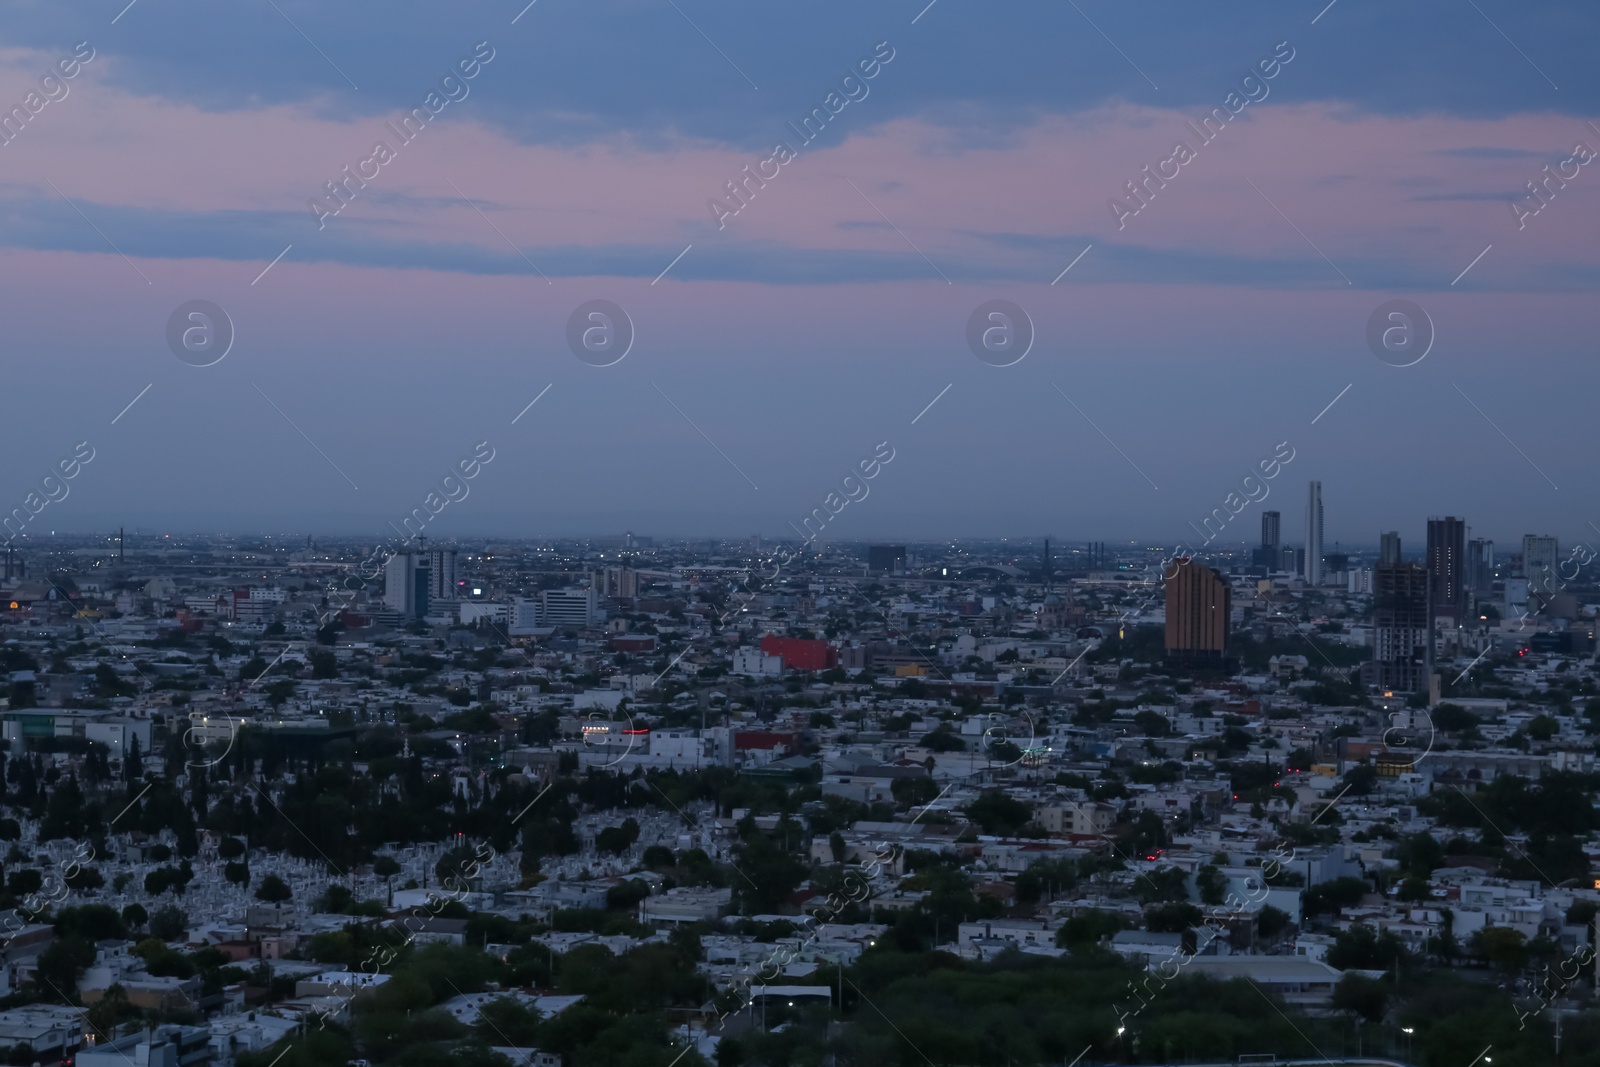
(407,580)
(442,574)
(1313,571)
(1480,567)
(1199,602)
(1389,547)
(1270,554)
(1446,566)
(1400,635)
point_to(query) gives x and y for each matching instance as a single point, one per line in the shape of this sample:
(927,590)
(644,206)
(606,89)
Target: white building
(407,579)
(678,748)
(756,663)
(577,608)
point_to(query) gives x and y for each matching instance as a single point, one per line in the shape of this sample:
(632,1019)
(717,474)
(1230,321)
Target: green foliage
(1364,948)
(1172,918)
(1044,875)
(1366,997)
(273,890)
(1212,883)
(1088,928)
(999,814)
(617,839)
(1328,897)
(1502,946)
(1162,885)
(93,922)
(168,922)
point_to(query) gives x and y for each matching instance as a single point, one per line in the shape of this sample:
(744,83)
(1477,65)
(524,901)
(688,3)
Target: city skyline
(524,521)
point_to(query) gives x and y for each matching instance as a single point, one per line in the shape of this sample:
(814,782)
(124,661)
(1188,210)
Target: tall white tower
(1313,571)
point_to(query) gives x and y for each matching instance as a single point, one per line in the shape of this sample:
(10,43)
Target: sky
(562,153)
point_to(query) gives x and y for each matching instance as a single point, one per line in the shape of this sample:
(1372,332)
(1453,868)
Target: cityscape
(682,533)
(553,800)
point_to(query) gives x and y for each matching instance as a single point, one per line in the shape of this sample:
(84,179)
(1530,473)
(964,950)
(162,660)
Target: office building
(1446,568)
(1400,633)
(1269,555)
(1540,554)
(575,608)
(1389,548)
(1480,568)
(407,583)
(1313,564)
(884,559)
(1199,603)
(442,574)
(622,582)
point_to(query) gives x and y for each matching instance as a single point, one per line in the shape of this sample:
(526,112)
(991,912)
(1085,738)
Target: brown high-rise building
(1199,601)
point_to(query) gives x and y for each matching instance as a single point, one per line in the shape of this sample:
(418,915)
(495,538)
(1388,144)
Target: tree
(1453,718)
(1272,922)
(323,663)
(273,890)
(1088,928)
(1169,884)
(336,899)
(999,814)
(24,882)
(236,873)
(1413,889)
(1503,946)
(505,1019)
(85,878)
(1366,997)
(1360,779)
(1328,897)
(617,839)
(1172,918)
(1543,728)
(1212,883)
(64,814)
(549,836)
(59,965)
(168,923)
(230,848)
(1363,947)
(111,1010)
(134,916)
(1152,723)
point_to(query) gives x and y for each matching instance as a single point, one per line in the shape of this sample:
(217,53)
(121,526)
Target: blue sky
(829,312)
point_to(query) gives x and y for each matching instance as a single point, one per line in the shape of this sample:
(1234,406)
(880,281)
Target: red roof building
(800,654)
